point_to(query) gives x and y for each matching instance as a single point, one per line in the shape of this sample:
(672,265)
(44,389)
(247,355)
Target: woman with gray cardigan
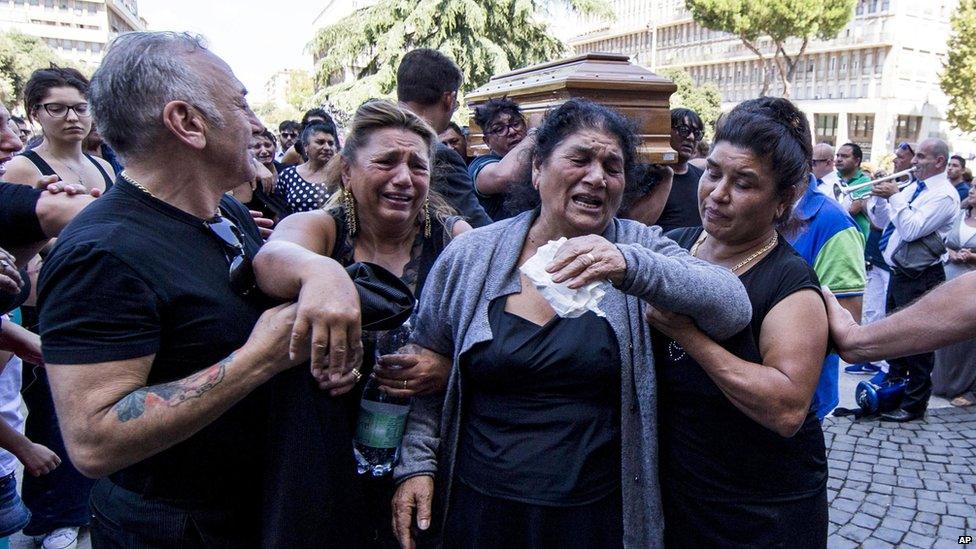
(547,432)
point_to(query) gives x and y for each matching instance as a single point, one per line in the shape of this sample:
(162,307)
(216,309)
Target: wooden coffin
(606,78)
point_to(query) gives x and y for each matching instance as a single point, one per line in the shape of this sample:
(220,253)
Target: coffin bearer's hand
(412,497)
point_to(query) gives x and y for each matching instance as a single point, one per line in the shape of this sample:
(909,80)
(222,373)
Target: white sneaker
(62,538)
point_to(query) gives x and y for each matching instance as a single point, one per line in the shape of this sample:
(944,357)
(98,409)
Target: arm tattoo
(171,394)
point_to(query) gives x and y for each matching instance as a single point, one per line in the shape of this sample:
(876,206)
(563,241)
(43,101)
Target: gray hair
(140,73)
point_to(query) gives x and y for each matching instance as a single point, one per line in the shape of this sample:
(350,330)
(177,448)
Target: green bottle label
(381,425)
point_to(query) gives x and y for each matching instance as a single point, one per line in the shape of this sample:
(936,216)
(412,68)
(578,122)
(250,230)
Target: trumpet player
(915,221)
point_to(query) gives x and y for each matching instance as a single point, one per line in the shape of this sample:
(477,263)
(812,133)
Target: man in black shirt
(681,208)
(427,84)
(155,341)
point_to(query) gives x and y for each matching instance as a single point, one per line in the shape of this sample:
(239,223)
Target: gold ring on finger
(357,373)
(404,385)
(590,257)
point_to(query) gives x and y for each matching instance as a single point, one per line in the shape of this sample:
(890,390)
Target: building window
(860,130)
(825,128)
(907,129)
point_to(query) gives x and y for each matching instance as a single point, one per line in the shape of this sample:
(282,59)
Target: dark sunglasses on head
(684,131)
(240,270)
(906,146)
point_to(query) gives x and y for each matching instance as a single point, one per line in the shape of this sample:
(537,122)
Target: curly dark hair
(493,108)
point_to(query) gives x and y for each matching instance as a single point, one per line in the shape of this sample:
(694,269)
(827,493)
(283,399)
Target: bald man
(916,221)
(822,167)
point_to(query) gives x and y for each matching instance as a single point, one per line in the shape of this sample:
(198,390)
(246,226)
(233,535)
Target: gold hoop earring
(427,217)
(349,204)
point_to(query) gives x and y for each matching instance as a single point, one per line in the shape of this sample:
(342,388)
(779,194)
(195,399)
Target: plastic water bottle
(382,417)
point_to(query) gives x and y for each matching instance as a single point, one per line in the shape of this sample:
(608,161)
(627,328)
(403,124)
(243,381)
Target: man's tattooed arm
(173,393)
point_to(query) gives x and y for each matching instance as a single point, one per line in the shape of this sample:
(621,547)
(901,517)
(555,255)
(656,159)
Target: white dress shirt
(827,185)
(934,210)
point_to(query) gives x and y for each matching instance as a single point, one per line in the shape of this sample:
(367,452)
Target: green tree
(779,21)
(485,37)
(959,74)
(20,55)
(705,100)
(301,87)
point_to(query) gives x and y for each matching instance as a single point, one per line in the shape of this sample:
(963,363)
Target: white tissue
(566,302)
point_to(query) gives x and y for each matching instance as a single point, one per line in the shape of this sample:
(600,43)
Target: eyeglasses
(288,135)
(906,146)
(819,160)
(60,110)
(685,131)
(240,270)
(501,128)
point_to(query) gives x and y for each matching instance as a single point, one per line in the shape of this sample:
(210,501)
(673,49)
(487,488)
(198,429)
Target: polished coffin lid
(606,78)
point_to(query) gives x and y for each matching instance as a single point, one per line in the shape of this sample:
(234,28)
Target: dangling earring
(427,217)
(349,204)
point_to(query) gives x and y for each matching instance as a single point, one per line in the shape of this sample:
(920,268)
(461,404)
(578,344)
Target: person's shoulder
(21,170)
(791,266)
(832,216)
(105,164)
(695,170)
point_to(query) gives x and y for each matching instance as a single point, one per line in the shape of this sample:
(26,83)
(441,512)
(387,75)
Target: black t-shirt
(681,209)
(450,178)
(19,225)
(541,421)
(133,276)
(709,447)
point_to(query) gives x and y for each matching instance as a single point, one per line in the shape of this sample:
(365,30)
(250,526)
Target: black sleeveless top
(310,440)
(422,256)
(541,420)
(709,448)
(46,169)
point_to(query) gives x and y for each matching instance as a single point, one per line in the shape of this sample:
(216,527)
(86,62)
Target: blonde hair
(371,117)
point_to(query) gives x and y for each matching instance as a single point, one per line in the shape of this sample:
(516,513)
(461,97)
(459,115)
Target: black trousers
(916,370)
(122,519)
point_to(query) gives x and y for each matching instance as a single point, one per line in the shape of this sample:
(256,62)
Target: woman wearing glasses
(508,160)
(55,98)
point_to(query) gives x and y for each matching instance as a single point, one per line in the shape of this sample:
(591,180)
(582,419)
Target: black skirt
(477,521)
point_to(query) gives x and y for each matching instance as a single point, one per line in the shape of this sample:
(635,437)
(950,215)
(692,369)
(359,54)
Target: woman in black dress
(742,455)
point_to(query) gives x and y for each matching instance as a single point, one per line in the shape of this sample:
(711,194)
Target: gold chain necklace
(142,188)
(768,246)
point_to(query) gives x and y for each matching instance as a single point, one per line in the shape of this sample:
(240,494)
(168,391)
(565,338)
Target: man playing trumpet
(915,219)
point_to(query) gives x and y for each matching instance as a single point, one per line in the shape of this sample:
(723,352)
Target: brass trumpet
(854,188)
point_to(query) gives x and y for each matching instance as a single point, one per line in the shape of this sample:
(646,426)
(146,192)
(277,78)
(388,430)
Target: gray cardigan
(481,265)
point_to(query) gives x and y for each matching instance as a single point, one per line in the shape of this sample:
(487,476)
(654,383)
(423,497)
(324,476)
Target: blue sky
(255,37)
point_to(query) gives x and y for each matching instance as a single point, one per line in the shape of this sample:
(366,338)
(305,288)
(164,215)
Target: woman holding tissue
(383,214)
(742,454)
(554,441)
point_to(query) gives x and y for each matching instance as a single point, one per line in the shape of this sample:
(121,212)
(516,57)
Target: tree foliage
(20,55)
(958,78)
(301,87)
(779,20)
(485,37)
(705,100)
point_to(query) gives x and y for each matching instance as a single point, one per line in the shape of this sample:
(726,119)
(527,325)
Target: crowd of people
(181,308)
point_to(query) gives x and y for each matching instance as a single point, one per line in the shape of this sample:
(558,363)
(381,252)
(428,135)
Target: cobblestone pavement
(905,485)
